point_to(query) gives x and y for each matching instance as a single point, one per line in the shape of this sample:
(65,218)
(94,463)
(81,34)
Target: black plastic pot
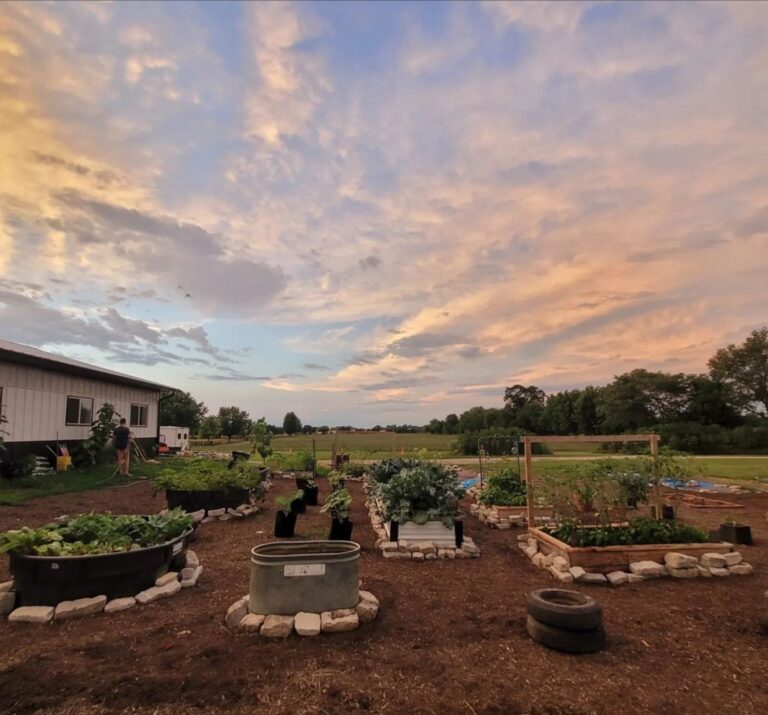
(341,530)
(458,529)
(310,495)
(298,506)
(48,580)
(302,482)
(736,533)
(207,499)
(394,530)
(285,524)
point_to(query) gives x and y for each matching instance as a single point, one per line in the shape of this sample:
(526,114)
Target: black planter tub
(203,499)
(48,580)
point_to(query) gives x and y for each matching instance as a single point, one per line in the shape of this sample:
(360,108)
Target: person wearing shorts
(122,439)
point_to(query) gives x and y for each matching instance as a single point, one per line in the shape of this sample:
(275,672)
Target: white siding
(35,403)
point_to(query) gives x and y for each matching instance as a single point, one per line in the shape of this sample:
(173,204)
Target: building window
(79,410)
(139,415)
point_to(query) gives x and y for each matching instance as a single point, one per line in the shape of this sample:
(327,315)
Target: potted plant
(285,516)
(336,480)
(337,504)
(735,533)
(311,490)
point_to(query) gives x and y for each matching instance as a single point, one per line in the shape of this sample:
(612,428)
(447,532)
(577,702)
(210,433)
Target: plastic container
(311,576)
(48,580)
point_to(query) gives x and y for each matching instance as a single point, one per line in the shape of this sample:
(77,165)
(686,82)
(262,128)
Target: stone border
(675,565)
(491,518)
(416,550)
(166,585)
(303,624)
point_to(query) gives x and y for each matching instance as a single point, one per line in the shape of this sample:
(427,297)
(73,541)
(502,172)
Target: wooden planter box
(604,559)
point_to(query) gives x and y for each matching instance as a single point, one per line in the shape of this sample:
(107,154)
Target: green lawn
(18,491)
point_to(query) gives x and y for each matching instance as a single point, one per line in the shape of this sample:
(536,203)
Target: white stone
(31,614)
(635,577)
(703,571)
(431,557)
(616,578)
(715,571)
(191,580)
(156,592)
(389,546)
(308,624)
(225,517)
(562,576)
(6,586)
(733,558)
(396,555)
(7,602)
(577,572)
(560,563)
(197,516)
(79,607)
(217,512)
(338,625)
(649,569)
(442,554)
(594,578)
(530,552)
(277,626)
(426,547)
(680,561)
(538,559)
(192,559)
(236,612)
(367,611)
(450,554)
(417,556)
(683,573)
(741,569)
(533,544)
(120,604)
(713,560)
(251,622)
(167,578)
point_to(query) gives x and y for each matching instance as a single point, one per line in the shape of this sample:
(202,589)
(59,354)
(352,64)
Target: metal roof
(34,357)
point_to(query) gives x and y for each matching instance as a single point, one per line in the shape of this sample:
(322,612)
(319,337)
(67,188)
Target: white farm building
(47,398)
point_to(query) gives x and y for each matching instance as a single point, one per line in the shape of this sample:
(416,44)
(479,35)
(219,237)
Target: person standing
(122,438)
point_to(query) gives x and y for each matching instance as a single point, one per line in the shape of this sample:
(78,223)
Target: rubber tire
(565,640)
(578,613)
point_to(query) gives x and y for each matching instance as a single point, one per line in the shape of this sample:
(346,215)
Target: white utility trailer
(174,439)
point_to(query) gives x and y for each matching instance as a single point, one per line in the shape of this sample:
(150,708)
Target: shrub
(293,462)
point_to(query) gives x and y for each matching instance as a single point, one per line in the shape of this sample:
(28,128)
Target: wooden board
(603,559)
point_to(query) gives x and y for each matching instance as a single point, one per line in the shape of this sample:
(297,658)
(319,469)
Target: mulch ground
(450,637)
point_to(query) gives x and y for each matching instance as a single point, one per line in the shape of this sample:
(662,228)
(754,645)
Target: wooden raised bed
(604,559)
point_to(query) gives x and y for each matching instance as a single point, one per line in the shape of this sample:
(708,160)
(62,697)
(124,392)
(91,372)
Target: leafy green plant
(420,493)
(354,469)
(503,489)
(284,503)
(338,504)
(336,479)
(207,475)
(93,450)
(638,531)
(382,472)
(96,534)
(293,462)
(261,439)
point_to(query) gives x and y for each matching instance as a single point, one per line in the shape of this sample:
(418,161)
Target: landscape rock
(560,563)
(704,571)
(635,578)
(531,551)
(396,555)
(719,571)
(251,622)
(713,560)
(330,624)
(190,579)
(648,569)
(741,569)
(157,592)
(31,614)
(597,579)
(277,626)
(197,516)
(431,557)
(217,512)
(225,517)
(167,578)
(562,576)
(538,559)
(733,558)
(7,602)
(367,611)
(79,607)
(308,624)
(236,612)
(192,559)
(683,573)
(6,586)
(616,578)
(120,604)
(389,546)
(426,547)
(680,561)
(577,572)
(417,556)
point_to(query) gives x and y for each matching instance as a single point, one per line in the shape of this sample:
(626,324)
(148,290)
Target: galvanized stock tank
(312,576)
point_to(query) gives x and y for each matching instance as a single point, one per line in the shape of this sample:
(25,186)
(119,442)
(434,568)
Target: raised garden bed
(604,559)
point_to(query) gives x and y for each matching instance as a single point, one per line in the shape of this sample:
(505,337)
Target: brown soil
(450,637)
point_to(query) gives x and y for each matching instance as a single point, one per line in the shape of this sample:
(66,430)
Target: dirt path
(450,637)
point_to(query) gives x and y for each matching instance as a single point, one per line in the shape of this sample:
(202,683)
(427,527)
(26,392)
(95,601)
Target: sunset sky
(373,213)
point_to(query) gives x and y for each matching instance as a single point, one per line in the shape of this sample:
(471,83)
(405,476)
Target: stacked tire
(567,621)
